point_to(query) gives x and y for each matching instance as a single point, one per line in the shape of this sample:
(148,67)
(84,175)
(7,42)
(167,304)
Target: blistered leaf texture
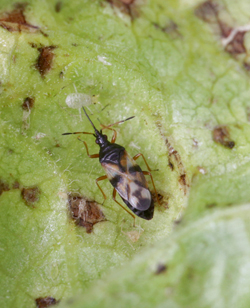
(205,264)
(174,67)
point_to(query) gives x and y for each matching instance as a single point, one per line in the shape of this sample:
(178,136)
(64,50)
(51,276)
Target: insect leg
(156,194)
(140,154)
(114,195)
(90,156)
(104,177)
(114,136)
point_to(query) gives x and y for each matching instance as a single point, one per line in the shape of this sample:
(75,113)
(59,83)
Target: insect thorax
(111,154)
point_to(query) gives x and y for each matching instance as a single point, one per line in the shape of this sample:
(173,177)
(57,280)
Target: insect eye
(96,141)
(105,137)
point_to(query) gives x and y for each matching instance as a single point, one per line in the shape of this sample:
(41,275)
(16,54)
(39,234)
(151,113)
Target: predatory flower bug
(123,173)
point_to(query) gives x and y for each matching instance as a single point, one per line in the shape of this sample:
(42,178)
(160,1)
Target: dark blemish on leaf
(221,135)
(183,181)
(44,61)
(207,11)
(125,6)
(61,75)
(28,103)
(190,273)
(178,221)
(171,29)
(163,199)
(43,302)
(86,213)
(15,21)
(33,45)
(224,29)
(44,34)
(211,205)
(171,166)
(175,159)
(161,268)
(16,185)
(74,44)
(58,6)
(246,66)
(160,197)
(3,186)
(236,46)
(30,195)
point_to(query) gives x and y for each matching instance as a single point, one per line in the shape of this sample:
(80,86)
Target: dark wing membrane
(148,214)
(130,182)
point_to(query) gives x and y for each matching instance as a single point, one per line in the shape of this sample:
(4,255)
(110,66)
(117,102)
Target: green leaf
(162,62)
(205,264)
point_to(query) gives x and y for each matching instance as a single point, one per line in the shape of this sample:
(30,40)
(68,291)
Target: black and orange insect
(123,173)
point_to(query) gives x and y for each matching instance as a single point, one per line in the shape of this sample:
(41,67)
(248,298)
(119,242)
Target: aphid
(123,173)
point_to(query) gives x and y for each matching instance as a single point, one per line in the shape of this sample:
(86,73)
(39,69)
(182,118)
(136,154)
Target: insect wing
(129,181)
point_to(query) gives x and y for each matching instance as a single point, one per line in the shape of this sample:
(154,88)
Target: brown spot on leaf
(125,6)
(15,21)
(177,221)
(86,213)
(30,195)
(221,135)
(160,197)
(33,45)
(211,205)
(28,103)
(176,162)
(171,166)
(16,185)
(207,11)
(163,199)
(161,268)
(44,61)
(224,29)
(61,75)
(171,29)
(43,302)
(246,65)
(58,6)
(182,179)
(236,46)
(3,186)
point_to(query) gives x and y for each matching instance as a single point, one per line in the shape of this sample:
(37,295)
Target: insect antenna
(97,133)
(78,133)
(104,126)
